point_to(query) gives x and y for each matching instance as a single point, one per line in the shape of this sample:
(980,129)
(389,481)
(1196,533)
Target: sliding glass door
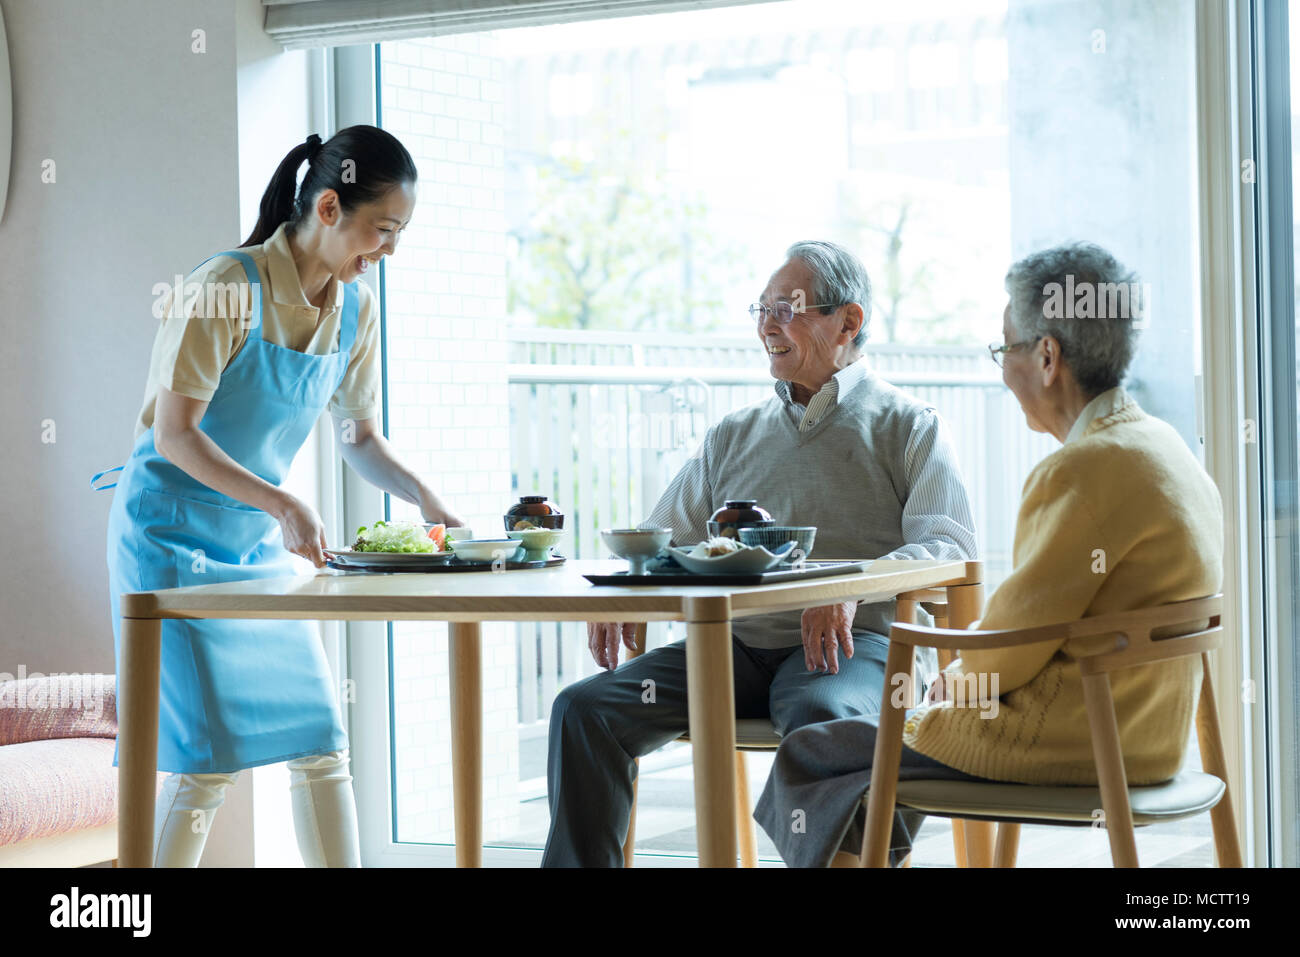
(1273,692)
(598,204)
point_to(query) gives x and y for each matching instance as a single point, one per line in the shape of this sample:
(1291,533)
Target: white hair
(1097,343)
(838,278)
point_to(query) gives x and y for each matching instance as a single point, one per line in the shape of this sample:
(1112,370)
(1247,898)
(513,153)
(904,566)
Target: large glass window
(1270,691)
(1283,480)
(599,202)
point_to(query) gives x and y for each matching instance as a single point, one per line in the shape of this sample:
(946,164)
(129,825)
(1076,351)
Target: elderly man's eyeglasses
(784,311)
(997,352)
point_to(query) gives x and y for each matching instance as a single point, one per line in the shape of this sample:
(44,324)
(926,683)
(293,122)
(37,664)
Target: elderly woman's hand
(939,691)
(825,630)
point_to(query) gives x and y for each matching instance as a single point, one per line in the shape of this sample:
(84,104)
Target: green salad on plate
(394,537)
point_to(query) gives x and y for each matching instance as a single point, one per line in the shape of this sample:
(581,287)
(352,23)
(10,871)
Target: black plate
(786,574)
(452,566)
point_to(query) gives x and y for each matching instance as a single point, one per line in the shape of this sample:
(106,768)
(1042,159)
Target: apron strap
(250,270)
(348,324)
(100,475)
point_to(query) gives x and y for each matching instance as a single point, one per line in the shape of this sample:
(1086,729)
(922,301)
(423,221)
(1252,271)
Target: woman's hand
(304,534)
(433,510)
(364,448)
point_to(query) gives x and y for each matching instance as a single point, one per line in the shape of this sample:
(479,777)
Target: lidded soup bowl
(736,514)
(533,511)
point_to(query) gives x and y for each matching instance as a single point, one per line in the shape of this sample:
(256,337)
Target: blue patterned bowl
(774,536)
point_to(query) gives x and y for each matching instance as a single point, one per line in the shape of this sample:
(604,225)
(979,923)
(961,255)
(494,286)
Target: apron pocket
(199,542)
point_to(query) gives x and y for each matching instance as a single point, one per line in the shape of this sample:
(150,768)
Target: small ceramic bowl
(456,534)
(636,545)
(537,542)
(485,549)
(773,536)
(747,561)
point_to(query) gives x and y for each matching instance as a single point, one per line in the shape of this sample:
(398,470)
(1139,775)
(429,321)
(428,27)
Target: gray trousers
(812,804)
(600,725)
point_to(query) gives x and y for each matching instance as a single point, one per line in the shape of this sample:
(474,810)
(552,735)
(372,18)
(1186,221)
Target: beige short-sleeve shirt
(194,345)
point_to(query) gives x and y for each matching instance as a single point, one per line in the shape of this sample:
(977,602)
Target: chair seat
(52,787)
(1189,793)
(752,734)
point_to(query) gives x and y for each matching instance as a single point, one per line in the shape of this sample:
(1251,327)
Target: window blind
(299,24)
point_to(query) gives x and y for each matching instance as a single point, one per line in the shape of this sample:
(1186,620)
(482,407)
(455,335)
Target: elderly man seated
(1122,516)
(837,447)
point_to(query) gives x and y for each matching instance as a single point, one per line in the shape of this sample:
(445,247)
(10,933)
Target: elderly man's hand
(602,639)
(825,631)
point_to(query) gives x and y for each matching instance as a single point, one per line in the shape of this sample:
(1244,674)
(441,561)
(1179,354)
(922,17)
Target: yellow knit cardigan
(1123,517)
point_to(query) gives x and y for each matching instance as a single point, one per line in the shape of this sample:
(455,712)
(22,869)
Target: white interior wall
(142,132)
(273,109)
(160,156)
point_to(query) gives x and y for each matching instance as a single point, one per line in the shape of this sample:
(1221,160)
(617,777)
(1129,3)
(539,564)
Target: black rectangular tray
(450,566)
(683,577)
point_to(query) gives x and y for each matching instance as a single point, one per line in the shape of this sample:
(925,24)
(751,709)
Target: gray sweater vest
(846,475)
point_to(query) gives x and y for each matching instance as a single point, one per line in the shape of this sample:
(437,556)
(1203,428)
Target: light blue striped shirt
(841,383)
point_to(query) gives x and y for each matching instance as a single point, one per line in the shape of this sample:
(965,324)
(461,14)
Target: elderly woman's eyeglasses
(997,352)
(784,311)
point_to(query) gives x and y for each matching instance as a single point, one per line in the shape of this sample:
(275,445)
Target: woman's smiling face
(370,232)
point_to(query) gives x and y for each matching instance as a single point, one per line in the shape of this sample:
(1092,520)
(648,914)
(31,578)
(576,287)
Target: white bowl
(485,549)
(745,561)
(452,533)
(636,545)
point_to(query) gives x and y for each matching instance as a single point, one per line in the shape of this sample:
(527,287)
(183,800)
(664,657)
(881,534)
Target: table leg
(465,649)
(137,738)
(629,843)
(974,838)
(712,712)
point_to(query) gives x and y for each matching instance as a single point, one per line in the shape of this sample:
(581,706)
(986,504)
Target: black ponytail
(360,163)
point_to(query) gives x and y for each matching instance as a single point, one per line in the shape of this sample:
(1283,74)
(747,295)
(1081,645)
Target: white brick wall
(447,396)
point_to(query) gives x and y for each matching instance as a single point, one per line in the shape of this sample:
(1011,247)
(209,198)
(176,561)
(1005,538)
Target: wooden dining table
(467,599)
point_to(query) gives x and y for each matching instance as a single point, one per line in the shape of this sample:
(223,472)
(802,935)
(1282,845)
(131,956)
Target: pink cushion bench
(57,737)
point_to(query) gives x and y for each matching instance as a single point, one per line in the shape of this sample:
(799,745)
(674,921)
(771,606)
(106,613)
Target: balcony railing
(601,422)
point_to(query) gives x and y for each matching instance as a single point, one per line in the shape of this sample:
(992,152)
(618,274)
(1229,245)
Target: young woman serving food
(232,395)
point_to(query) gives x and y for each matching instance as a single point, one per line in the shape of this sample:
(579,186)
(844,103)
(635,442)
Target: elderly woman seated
(1121,517)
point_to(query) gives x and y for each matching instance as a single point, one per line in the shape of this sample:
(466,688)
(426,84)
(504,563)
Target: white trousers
(324,813)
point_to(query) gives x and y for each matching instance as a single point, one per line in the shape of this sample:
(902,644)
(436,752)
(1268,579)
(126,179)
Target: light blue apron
(234,693)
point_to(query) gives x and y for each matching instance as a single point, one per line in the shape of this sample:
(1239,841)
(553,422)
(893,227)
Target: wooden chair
(759,734)
(1124,807)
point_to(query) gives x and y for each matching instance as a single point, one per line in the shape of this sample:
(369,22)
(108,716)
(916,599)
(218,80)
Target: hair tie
(313,146)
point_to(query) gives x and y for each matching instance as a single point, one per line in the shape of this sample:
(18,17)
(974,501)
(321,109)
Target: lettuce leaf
(393,537)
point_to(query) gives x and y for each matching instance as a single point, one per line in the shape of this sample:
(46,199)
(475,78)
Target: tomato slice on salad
(439,535)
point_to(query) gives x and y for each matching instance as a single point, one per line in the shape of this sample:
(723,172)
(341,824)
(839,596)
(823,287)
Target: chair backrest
(1144,635)
(1189,628)
(43,707)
